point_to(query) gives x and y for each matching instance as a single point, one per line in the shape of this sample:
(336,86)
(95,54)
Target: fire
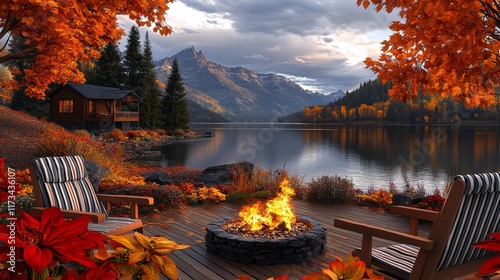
(277,212)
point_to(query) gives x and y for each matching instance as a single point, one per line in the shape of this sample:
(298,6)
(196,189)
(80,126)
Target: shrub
(181,174)
(178,132)
(166,197)
(116,134)
(237,196)
(432,202)
(378,199)
(207,194)
(260,179)
(330,189)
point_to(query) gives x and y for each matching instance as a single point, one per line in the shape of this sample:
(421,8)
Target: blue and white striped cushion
(478,216)
(400,256)
(64,183)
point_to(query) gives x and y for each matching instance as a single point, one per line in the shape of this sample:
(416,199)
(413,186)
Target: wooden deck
(187,226)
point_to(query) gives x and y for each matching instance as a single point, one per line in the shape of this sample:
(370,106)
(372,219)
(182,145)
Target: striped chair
(63,182)
(470,214)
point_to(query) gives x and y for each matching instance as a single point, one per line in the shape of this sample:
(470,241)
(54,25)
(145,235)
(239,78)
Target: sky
(319,44)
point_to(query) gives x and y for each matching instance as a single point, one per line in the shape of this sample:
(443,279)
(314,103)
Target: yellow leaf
(190,233)
(456,91)
(144,240)
(137,257)
(128,242)
(168,268)
(151,272)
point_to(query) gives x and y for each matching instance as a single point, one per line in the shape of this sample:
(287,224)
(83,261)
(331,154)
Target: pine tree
(175,105)
(133,61)
(108,70)
(151,103)
(20,101)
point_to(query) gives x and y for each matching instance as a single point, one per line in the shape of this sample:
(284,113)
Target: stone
(158,177)
(95,173)
(400,199)
(222,174)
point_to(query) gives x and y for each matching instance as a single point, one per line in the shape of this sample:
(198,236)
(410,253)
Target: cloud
(319,44)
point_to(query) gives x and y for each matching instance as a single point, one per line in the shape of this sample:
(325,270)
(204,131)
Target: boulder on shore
(222,174)
(158,177)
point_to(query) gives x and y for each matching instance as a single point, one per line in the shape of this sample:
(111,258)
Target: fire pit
(290,249)
(267,233)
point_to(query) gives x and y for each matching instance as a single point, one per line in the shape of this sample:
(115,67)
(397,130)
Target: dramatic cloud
(319,44)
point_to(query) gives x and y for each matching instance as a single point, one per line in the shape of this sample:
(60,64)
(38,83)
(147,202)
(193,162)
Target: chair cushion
(400,256)
(64,183)
(60,169)
(478,217)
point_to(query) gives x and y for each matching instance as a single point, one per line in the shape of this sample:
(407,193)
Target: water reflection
(370,155)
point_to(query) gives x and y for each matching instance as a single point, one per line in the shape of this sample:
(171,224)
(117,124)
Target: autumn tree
(5,76)
(446,48)
(59,34)
(175,104)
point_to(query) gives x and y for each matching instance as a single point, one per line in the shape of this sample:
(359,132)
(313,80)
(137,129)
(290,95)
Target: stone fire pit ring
(292,249)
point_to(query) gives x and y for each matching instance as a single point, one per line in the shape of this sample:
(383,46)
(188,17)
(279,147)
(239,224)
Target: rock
(400,199)
(158,177)
(95,172)
(222,174)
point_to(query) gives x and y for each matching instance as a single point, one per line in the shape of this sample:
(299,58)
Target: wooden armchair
(470,214)
(63,182)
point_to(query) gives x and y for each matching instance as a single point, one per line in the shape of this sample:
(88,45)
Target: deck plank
(187,226)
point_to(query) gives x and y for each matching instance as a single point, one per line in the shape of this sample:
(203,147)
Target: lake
(370,155)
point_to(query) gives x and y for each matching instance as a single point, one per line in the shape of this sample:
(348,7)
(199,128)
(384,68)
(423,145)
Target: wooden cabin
(95,108)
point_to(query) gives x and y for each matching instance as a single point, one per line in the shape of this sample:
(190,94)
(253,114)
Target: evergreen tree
(20,101)
(175,105)
(133,61)
(151,102)
(108,70)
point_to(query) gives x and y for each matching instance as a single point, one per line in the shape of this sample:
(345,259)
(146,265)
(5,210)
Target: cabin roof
(100,92)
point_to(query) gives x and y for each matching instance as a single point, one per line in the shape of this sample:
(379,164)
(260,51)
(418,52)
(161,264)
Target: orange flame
(273,213)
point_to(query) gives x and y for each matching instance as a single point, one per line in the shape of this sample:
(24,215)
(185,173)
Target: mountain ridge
(238,93)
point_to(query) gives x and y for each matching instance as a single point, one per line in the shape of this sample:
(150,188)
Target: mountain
(238,93)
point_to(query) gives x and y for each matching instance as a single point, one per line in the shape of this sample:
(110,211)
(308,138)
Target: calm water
(369,155)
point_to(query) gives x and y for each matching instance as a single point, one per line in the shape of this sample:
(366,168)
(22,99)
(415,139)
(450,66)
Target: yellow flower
(150,251)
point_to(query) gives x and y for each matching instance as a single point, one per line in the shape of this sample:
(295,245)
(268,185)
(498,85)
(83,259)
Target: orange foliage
(63,33)
(446,48)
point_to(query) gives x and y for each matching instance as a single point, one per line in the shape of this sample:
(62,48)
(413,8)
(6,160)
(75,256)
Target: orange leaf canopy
(63,33)
(444,48)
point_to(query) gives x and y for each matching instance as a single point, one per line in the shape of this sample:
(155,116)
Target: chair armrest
(415,214)
(71,214)
(142,200)
(412,212)
(133,200)
(370,231)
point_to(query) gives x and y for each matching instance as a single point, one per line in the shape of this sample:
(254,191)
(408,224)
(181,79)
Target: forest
(371,102)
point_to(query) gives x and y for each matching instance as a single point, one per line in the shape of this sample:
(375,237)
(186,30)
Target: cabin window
(65,106)
(91,106)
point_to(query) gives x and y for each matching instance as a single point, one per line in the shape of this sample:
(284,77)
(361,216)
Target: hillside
(18,134)
(238,93)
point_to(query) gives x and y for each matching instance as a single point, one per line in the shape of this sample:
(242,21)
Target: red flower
(93,273)
(493,264)
(50,238)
